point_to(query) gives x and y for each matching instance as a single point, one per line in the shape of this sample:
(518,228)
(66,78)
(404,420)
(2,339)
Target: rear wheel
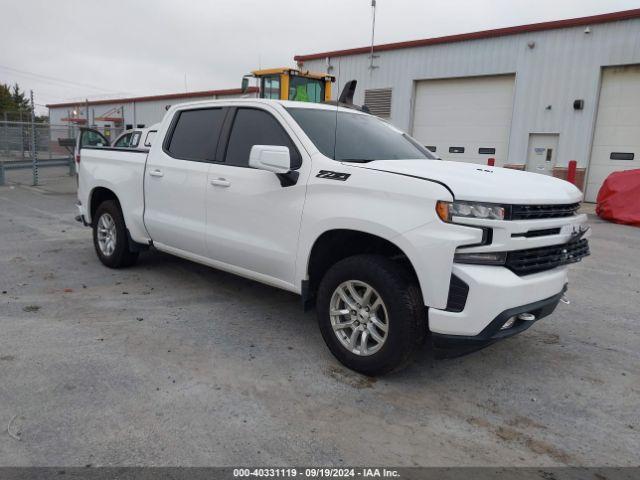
(110,237)
(371,314)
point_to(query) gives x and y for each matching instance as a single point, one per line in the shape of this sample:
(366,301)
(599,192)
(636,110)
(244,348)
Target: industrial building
(533,97)
(113,116)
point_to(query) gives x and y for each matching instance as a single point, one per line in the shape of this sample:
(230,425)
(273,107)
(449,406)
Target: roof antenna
(373,34)
(335,133)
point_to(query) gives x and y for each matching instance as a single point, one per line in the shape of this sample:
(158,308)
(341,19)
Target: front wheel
(110,237)
(371,314)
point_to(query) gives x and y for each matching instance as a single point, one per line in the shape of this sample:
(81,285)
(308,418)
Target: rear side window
(195,134)
(135,140)
(257,127)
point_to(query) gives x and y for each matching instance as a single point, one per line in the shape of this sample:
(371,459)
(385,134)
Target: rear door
(176,180)
(252,220)
(88,138)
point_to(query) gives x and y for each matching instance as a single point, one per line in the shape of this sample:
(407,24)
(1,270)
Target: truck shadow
(265,307)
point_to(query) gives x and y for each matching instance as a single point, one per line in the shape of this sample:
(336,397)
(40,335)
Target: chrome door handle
(220,182)
(156,173)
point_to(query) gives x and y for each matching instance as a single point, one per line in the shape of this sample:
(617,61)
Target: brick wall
(561,172)
(558,172)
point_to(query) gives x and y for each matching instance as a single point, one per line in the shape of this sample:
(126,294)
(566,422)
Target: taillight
(78,158)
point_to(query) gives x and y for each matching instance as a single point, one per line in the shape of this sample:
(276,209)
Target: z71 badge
(329,175)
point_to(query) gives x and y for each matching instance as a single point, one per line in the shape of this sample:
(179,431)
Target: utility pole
(373,35)
(34,146)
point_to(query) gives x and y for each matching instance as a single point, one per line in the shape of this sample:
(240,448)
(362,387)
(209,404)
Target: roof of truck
(284,103)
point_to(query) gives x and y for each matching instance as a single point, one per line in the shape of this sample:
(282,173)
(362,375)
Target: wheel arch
(337,244)
(99,195)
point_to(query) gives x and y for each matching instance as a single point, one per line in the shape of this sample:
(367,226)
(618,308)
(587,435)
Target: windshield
(304,89)
(358,138)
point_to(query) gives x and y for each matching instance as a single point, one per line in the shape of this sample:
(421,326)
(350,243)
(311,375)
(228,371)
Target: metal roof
(168,96)
(498,32)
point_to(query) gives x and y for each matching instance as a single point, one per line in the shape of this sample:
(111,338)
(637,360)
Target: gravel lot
(172,363)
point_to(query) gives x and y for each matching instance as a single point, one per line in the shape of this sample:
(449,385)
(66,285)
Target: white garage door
(616,142)
(465,119)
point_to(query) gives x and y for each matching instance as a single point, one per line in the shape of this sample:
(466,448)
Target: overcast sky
(71,49)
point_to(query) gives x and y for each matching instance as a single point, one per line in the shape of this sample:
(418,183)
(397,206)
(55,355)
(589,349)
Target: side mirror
(245,84)
(272,158)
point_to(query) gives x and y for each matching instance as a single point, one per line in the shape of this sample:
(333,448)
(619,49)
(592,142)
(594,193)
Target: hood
(469,181)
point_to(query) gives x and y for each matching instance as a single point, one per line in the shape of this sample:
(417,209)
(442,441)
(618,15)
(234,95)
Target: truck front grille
(534,260)
(536,212)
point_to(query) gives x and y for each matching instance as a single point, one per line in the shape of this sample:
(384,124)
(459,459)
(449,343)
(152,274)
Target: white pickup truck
(390,243)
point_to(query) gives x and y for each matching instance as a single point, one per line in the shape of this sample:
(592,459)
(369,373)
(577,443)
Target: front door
(253,221)
(541,157)
(175,180)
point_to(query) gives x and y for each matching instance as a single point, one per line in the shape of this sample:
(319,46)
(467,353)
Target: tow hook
(564,299)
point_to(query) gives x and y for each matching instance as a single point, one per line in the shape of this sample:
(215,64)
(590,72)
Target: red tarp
(619,198)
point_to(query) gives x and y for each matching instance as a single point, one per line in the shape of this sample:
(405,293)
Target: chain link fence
(34,146)
(29,145)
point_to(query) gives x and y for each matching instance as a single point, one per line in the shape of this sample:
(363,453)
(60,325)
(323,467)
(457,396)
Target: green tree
(6,99)
(13,100)
(19,99)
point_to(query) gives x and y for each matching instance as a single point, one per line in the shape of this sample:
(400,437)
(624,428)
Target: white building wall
(564,65)
(134,113)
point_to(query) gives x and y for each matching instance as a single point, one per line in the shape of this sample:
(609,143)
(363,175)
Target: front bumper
(448,346)
(492,290)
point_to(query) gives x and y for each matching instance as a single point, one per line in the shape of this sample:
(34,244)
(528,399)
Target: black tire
(121,256)
(401,295)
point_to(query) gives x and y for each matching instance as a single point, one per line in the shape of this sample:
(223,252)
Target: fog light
(509,323)
(527,317)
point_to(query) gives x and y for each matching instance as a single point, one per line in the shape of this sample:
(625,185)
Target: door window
(271,87)
(195,134)
(123,141)
(91,138)
(257,127)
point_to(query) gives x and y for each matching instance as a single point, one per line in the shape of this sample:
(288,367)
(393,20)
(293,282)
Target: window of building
(622,156)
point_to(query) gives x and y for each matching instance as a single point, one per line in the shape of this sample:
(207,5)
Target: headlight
(490,258)
(490,211)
